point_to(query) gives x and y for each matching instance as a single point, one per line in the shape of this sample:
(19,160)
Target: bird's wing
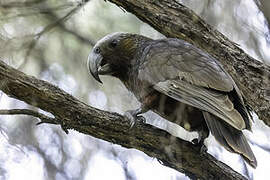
(173,58)
(204,99)
(183,72)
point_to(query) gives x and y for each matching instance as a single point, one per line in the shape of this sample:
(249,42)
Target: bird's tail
(232,139)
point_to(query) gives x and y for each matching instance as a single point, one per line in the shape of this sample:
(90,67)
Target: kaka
(180,83)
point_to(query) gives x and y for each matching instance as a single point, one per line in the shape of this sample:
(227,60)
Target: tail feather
(230,138)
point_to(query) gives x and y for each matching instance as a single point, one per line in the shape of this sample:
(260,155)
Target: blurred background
(51,39)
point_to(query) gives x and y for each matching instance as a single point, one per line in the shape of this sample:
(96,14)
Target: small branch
(20,4)
(49,27)
(42,117)
(51,15)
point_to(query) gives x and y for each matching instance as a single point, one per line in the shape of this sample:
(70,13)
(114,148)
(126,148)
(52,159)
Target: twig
(20,4)
(89,41)
(42,117)
(48,28)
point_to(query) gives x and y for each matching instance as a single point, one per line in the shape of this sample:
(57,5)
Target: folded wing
(188,75)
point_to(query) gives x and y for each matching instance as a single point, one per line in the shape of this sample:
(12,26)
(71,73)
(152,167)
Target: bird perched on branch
(180,83)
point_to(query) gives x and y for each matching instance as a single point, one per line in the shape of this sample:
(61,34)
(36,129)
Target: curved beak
(94,63)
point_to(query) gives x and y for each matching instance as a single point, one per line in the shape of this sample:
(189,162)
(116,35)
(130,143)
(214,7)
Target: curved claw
(141,119)
(133,118)
(200,144)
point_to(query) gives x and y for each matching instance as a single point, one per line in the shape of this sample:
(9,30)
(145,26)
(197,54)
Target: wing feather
(176,59)
(204,99)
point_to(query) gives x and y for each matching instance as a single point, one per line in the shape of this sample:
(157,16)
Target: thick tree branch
(175,20)
(73,114)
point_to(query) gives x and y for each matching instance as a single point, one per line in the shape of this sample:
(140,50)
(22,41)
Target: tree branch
(42,117)
(70,113)
(51,16)
(173,19)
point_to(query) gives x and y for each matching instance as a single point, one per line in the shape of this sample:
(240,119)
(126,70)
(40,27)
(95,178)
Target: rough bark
(173,19)
(70,113)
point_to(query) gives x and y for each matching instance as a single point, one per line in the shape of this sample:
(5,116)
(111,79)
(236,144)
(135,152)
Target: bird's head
(114,54)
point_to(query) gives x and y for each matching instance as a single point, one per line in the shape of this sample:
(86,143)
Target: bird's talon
(133,118)
(132,123)
(203,149)
(141,119)
(199,144)
(195,141)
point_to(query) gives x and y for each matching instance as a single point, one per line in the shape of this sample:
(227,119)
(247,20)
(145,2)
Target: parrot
(180,83)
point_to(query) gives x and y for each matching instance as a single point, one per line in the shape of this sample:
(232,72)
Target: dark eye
(113,43)
(97,50)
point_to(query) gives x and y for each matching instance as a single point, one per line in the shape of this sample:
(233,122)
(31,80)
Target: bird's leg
(203,134)
(147,102)
(134,115)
